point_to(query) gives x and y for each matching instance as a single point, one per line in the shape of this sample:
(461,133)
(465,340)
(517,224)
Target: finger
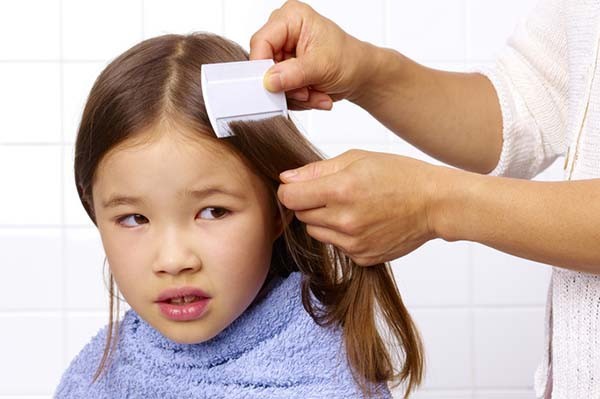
(297,105)
(268,40)
(316,169)
(322,217)
(292,73)
(279,35)
(328,236)
(300,95)
(307,195)
(314,100)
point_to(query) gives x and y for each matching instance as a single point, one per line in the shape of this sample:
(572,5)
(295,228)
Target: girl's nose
(174,254)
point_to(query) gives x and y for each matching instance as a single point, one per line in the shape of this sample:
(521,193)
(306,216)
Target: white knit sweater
(548,82)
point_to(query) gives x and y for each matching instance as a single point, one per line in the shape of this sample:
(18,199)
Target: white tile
(74,211)
(31,348)
(428,29)
(30,30)
(94,30)
(30,102)
(243,18)
(182,16)
(400,147)
(78,81)
(501,279)
(521,394)
(31,258)
(508,345)
(331,150)
(471,65)
(446,336)
(30,181)
(85,271)
(452,66)
(435,394)
(437,273)
(490,23)
(361,19)
(27,397)
(347,123)
(80,330)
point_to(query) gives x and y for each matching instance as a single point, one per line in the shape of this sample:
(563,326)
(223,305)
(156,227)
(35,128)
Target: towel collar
(262,320)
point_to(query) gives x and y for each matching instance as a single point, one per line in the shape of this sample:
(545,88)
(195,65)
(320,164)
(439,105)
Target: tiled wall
(480,311)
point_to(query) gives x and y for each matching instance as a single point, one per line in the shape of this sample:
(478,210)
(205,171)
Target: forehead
(170,157)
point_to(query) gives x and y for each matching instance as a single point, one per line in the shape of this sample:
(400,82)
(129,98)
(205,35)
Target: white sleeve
(530,79)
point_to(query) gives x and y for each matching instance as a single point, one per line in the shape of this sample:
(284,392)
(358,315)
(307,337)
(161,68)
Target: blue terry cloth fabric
(273,350)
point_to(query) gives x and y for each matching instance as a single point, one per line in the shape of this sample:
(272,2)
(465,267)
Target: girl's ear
(282,222)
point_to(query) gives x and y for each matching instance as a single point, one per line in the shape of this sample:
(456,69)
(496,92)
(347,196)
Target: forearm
(557,223)
(454,117)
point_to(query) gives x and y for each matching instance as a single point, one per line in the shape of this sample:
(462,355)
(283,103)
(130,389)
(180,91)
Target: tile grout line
(44,226)
(387,39)
(34,143)
(434,308)
(387,34)
(471,318)
(467,24)
(99,60)
(63,234)
(143,22)
(223,22)
(50,60)
(471,266)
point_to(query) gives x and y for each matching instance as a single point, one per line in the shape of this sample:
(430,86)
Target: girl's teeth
(189,298)
(182,300)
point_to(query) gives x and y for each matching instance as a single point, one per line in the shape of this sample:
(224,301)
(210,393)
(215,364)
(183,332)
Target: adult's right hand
(316,61)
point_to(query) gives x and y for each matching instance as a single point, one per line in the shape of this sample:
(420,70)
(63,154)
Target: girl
(230,297)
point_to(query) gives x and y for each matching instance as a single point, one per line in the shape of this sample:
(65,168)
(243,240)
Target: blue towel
(273,350)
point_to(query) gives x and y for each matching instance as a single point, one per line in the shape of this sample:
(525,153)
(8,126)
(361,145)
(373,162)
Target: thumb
(311,171)
(290,74)
(323,167)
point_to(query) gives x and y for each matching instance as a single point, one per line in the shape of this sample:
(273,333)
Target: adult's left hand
(373,206)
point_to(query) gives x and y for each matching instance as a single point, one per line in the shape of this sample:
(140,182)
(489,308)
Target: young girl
(230,297)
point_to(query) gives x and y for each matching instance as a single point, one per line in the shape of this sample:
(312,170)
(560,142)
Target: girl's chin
(187,333)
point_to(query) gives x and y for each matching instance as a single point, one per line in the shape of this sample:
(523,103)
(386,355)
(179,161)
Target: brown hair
(158,80)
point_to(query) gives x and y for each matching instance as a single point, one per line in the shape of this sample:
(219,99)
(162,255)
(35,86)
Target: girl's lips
(184,312)
(180,292)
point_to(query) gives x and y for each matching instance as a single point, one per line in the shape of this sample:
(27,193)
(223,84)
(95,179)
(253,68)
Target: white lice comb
(235,91)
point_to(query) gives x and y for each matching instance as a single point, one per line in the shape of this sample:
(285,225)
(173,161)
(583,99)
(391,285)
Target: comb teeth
(235,91)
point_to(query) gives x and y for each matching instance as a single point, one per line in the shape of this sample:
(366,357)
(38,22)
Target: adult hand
(373,206)
(317,62)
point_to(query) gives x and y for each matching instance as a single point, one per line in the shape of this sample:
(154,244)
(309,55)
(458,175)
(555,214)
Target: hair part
(158,81)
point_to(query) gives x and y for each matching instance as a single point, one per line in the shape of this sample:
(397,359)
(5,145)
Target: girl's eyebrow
(120,199)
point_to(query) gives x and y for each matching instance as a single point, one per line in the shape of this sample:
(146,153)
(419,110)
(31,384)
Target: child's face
(219,242)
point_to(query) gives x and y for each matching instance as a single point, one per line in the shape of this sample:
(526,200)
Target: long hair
(158,80)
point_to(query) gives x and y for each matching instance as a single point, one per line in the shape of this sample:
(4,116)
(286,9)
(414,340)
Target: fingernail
(288,174)
(272,82)
(325,105)
(301,95)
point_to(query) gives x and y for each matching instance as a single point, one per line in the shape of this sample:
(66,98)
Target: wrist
(453,203)
(380,73)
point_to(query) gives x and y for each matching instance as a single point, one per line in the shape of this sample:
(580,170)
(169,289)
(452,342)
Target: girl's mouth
(183,300)
(183,304)
(184,309)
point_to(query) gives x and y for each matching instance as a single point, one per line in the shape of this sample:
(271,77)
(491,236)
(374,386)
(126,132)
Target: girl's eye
(213,213)
(138,216)
(210,213)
